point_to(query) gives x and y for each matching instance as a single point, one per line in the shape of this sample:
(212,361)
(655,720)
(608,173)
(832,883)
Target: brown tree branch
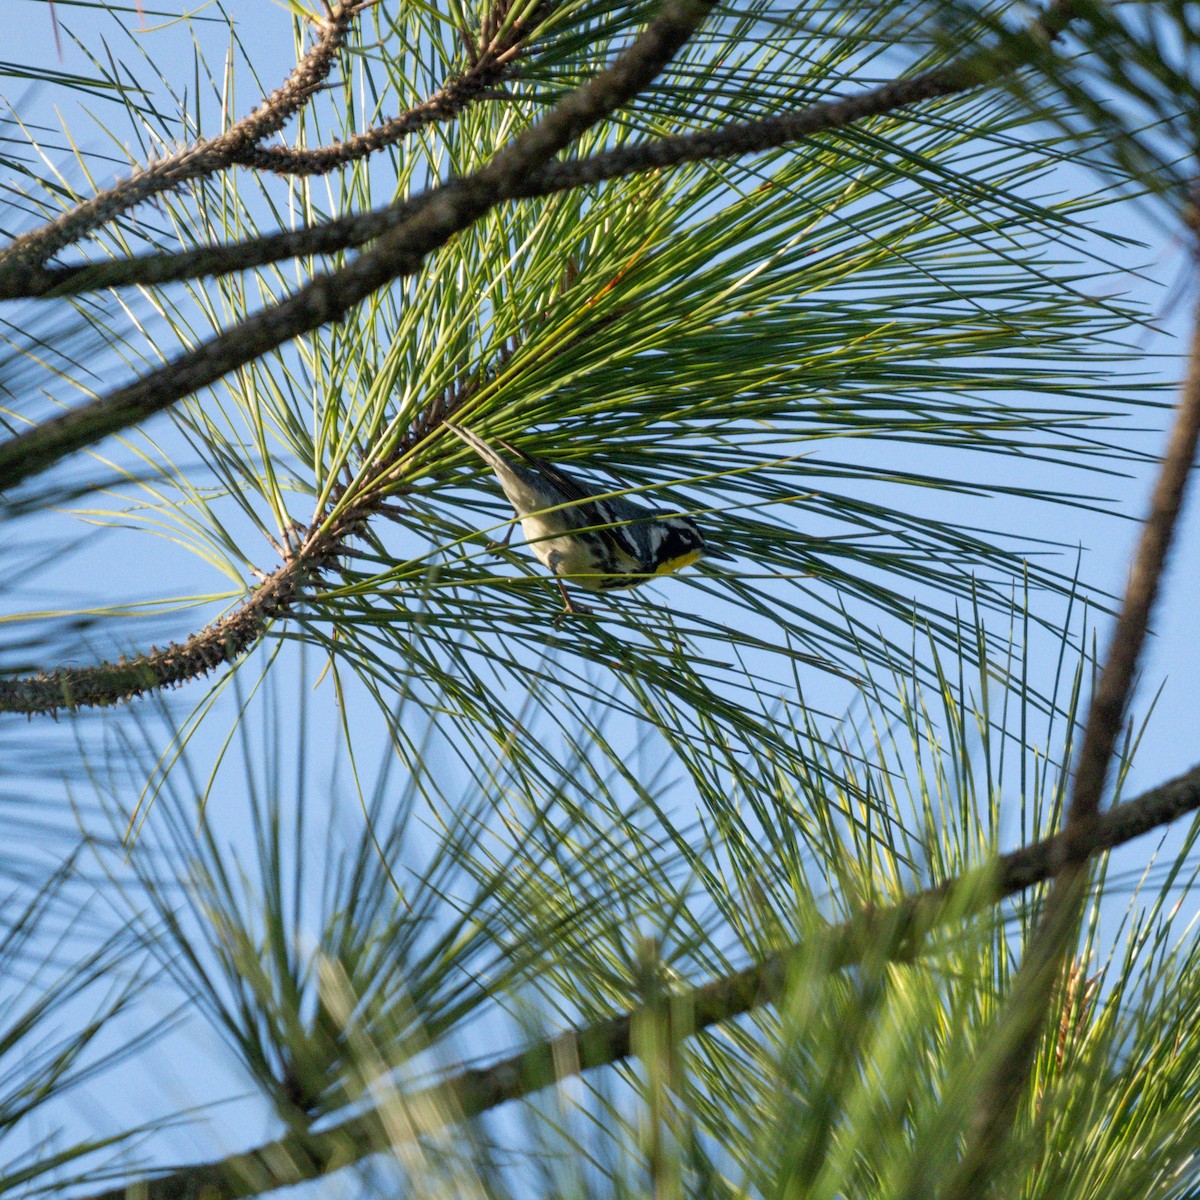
(445,104)
(897,932)
(37,247)
(18,281)
(491,61)
(108,683)
(450,209)
(975,69)
(1019,1030)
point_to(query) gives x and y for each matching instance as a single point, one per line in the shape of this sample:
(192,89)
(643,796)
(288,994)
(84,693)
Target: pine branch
(449,209)
(492,59)
(108,683)
(975,69)
(34,249)
(897,933)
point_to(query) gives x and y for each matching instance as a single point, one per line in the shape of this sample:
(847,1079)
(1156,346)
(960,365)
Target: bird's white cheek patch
(676,564)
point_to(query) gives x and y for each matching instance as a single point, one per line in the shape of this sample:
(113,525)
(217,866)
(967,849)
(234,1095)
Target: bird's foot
(496,545)
(571,609)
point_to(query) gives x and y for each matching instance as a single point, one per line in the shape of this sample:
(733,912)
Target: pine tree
(367,867)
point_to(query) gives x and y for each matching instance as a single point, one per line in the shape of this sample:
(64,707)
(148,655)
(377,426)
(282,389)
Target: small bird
(600,544)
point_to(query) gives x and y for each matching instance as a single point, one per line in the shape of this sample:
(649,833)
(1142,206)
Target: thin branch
(1020,1028)
(37,247)
(490,63)
(1107,712)
(450,209)
(975,69)
(328,237)
(109,683)
(445,104)
(897,933)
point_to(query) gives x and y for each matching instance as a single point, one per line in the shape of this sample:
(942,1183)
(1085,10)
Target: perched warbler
(598,542)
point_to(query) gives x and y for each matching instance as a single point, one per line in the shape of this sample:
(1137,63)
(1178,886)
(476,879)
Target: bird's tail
(480,447)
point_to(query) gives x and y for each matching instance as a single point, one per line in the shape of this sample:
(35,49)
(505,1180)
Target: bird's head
(681,544)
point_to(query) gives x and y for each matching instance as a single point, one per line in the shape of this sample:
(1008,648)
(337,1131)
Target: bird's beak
(709,552)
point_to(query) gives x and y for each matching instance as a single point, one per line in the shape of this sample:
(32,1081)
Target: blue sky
(1168,747)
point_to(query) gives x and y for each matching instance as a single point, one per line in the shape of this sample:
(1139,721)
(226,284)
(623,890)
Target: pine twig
(34,249)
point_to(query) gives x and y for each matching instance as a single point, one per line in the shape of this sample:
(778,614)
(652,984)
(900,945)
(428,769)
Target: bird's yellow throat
(675,564)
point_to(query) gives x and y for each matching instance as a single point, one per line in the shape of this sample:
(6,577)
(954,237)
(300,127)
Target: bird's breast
(594,562)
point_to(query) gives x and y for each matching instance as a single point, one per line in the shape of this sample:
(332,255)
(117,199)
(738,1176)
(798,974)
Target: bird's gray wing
(611,517)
